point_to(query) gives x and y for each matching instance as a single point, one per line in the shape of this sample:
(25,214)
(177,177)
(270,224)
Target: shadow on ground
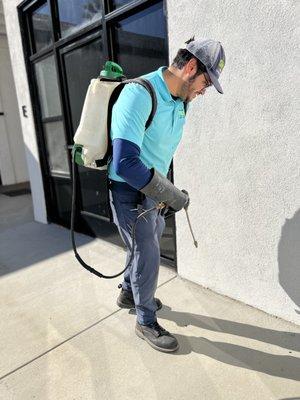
(28,244)
(283,366)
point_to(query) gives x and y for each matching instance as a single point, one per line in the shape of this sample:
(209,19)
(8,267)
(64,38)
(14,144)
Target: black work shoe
(157,337)
(125,300)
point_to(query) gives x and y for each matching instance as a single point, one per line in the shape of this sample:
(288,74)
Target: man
(139,166)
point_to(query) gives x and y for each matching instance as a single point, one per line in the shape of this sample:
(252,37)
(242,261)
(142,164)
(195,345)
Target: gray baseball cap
(211,53)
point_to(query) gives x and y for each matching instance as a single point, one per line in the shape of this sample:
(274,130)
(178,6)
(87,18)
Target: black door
(68,42)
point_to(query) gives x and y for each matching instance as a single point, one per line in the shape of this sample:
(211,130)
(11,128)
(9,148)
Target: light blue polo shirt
(129,116)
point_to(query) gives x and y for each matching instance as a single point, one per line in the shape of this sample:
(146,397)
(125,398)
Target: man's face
(195,86)
(192,85)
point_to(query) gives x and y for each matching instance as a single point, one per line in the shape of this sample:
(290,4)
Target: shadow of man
(289,258)
(283,366)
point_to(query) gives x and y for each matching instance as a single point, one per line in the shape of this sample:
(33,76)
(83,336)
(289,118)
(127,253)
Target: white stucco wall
(23,96)
(239,158)
(13,165)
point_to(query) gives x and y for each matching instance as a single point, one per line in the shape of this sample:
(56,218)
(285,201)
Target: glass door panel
(41,27)
(140,41)
(77,14)
(48,88)
(57,153)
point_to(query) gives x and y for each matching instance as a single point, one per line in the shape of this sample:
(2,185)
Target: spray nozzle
(112,71)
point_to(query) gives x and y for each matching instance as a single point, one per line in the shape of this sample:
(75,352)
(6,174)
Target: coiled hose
(73,210)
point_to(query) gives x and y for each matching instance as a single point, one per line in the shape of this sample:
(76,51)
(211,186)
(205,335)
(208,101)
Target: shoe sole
(122,305)
(130,307)
(141,336)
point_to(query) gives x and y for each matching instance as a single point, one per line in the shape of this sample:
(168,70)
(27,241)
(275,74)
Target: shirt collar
(164,90)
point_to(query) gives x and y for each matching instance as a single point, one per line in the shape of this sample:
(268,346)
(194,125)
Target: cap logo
(221,65)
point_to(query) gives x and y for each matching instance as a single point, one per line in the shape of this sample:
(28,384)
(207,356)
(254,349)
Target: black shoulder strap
(115,94)
(148,86)
(185,107)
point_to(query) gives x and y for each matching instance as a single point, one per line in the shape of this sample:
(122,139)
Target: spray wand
(162,205)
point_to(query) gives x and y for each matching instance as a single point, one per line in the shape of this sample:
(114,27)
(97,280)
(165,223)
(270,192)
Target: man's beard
(185,88)
(184,91)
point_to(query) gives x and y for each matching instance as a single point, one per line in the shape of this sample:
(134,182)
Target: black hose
(73,209)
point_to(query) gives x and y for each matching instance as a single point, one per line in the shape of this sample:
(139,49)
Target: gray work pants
(142,275)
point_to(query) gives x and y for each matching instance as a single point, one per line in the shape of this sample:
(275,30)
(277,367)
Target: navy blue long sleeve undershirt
(127,163)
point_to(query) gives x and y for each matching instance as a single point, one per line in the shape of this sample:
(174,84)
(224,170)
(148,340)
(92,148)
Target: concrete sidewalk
(63,337)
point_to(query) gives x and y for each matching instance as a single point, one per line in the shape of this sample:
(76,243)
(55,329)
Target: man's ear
(191,67)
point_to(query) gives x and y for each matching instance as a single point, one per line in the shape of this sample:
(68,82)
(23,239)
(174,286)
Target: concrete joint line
(70,338)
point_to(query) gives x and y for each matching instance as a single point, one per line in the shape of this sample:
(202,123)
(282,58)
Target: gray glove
(162,190)
(188,199)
